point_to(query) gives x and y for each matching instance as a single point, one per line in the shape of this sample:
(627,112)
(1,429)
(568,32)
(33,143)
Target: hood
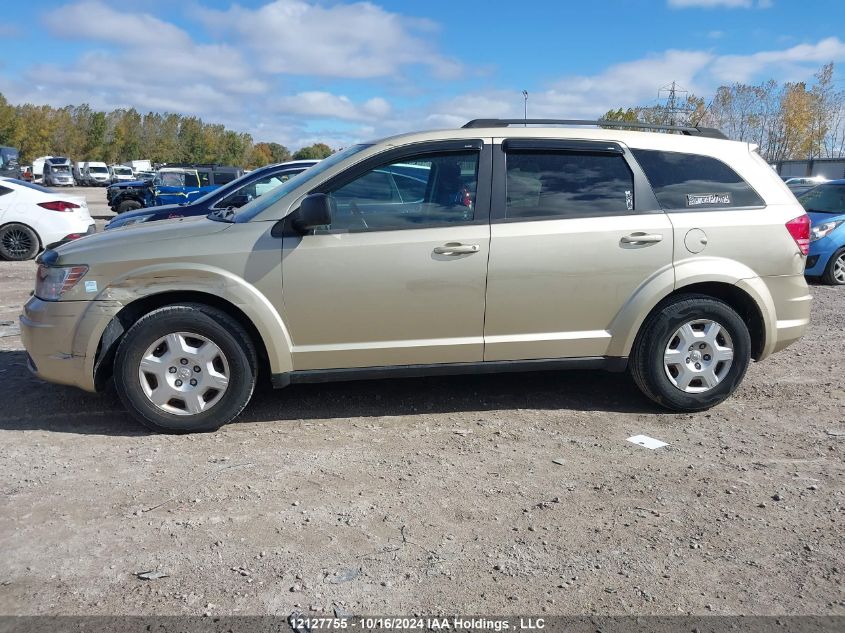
(130,183)
(817,217)
(164,208)
(135,242)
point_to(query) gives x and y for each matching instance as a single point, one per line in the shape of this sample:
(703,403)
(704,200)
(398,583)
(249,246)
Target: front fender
(181,278)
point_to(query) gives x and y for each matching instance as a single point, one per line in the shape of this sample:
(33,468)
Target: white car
(32,217)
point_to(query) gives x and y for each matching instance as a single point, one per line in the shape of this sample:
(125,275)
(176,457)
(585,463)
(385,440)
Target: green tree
(316,151)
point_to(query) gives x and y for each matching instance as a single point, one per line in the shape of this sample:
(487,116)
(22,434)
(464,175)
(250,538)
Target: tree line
(82,133)
(793,120)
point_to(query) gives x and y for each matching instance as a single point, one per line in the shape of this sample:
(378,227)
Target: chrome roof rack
(707,132)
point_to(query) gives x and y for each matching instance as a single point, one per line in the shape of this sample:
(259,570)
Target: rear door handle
(454,248)
(642,238)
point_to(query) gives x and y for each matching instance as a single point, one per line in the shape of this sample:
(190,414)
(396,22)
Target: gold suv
(674,253)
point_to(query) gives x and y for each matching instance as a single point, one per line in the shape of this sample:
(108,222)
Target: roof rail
(707,132)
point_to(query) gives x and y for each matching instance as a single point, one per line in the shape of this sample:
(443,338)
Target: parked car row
(232,195)
(169,185)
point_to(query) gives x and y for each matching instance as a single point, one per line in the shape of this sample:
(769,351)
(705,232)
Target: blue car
(234,194)
(825,204)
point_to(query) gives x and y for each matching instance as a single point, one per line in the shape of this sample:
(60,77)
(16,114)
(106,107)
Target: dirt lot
(489,495)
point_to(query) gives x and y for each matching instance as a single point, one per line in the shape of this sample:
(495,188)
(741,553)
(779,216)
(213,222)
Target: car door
(7,199)
(575,232)
(394,281)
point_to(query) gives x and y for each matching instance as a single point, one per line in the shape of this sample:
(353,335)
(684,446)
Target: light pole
(525,108)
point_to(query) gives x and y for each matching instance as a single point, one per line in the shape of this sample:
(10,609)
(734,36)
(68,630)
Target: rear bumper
(785,304)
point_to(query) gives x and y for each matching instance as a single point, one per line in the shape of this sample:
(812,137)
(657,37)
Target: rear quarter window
(694,182)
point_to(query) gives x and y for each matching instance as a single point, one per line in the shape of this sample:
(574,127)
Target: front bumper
(820,252)
(61,338)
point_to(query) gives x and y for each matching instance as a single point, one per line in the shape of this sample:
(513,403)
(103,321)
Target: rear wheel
(691,354)
(185,368)
(834,272)
(18,242)
(128,205)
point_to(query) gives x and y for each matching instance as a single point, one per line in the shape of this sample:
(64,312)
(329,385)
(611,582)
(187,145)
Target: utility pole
(525,108)
(675,107)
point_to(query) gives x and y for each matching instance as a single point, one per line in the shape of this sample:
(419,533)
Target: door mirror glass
(315,211)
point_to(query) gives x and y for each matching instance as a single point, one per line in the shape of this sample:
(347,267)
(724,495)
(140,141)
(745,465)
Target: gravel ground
(502,495)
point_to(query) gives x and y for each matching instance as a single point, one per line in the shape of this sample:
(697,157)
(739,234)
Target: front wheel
(691,354)
(185,368)
(128,205)
(834,272)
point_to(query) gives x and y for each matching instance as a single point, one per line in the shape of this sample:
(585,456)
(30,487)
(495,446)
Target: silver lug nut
(193,383)
(184,361)
(197,368)
(698,365)
(178,383)
(172,370)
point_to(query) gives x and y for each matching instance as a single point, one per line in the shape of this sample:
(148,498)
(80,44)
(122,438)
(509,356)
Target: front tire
(185,368)
(834,272)
(128,205)
(691,354)
(18,242)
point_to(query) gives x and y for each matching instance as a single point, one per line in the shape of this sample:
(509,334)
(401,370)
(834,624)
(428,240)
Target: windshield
(8,155)
(98,170)
(824,199)
(246,213)
(61,169)
(122,171)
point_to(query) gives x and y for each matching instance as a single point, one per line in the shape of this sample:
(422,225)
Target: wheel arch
(740,299)
(268,356)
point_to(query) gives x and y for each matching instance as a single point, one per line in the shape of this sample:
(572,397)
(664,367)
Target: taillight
(799,229)
(58,205)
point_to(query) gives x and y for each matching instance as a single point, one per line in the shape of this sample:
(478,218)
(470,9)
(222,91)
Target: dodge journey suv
(673,253)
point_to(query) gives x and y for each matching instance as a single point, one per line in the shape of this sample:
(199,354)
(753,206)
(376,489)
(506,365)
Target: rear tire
(128,205)
(18,242)
(208,346)
(691,354)
(834,272)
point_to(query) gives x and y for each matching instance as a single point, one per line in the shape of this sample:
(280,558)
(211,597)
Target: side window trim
(483,186)
(709,209)
(644,199)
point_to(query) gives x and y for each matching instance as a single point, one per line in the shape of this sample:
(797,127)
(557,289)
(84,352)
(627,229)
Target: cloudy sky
(299,71)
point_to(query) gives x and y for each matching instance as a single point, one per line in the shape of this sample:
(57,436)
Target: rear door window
(693,182)
(551,184)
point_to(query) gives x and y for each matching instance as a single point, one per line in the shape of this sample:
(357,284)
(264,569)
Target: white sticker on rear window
(629,200)
(90,286)
(698,199)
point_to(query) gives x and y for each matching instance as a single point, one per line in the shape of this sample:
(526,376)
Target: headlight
(823,230)
(51,282)
(118,222)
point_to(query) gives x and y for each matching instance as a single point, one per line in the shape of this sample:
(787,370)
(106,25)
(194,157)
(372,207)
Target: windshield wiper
(222,215)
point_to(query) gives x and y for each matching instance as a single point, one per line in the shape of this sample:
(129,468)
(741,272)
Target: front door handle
(455,248)
(642,238)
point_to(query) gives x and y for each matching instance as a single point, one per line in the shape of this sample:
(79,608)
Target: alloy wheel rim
(839,269)
(184,373)
(17,242)
(698,356)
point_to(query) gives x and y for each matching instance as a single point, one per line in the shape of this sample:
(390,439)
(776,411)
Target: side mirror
(315,210)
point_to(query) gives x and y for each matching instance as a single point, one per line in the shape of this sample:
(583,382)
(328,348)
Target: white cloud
(789,64)
(147,46)
(358,40)
(318,104)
